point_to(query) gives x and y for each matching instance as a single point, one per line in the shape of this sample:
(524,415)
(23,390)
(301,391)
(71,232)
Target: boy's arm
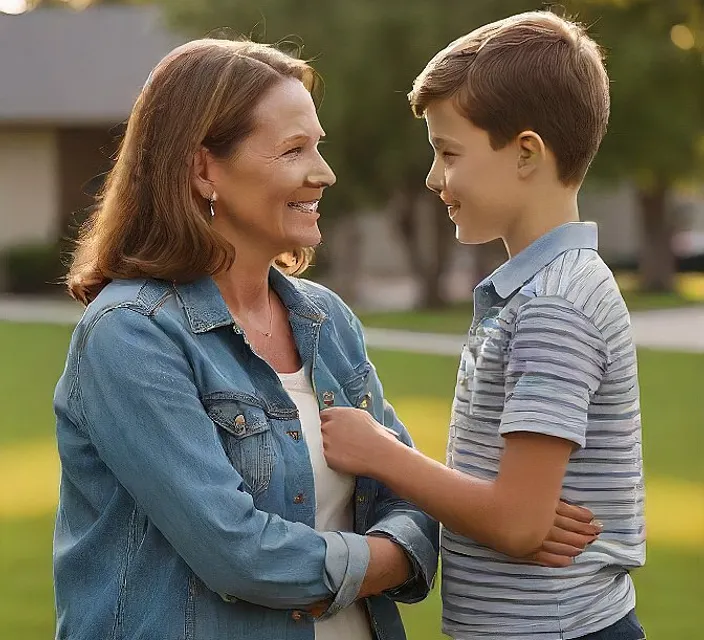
(556,363)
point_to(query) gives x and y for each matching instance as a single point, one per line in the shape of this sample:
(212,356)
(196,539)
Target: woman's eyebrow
(299,137)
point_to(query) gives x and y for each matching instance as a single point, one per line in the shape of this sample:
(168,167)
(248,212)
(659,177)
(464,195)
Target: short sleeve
(556,361)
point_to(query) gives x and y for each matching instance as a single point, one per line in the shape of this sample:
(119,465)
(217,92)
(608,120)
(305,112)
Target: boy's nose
(434,180)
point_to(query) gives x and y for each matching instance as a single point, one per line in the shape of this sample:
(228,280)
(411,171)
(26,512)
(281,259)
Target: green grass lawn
(456,318)
(670,588)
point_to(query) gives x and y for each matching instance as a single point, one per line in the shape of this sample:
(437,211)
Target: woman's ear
(201,172)
(531,153)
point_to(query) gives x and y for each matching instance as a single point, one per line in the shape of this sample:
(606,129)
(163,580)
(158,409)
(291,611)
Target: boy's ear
(531,152)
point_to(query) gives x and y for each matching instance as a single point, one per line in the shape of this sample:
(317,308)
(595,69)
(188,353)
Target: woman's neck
(245,285)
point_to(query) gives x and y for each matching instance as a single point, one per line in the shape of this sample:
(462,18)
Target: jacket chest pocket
(359,393)
(246,436)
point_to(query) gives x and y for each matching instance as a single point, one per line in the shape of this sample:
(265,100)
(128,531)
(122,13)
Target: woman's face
(268,193)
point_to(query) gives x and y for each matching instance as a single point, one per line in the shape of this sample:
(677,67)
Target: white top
(334,493)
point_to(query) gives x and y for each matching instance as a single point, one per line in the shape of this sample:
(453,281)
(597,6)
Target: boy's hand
(574,528)
(353,442)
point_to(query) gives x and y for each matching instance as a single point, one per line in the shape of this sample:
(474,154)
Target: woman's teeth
(306,207)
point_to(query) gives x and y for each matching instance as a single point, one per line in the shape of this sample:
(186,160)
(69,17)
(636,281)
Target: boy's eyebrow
(439,141)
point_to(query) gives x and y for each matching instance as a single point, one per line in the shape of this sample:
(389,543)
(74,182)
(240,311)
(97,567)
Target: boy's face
(480,186)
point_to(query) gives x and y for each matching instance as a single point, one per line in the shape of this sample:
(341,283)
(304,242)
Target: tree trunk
(342,256)
(657,260)
(427,236)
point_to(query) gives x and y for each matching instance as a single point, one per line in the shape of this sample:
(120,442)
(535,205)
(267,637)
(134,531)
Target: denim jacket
(187,500)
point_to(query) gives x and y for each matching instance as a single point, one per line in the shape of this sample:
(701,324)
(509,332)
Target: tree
(656,132)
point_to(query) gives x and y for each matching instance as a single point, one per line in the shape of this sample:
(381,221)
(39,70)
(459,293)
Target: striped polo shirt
(549,351)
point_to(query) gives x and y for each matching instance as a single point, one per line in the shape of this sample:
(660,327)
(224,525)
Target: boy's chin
(466,235)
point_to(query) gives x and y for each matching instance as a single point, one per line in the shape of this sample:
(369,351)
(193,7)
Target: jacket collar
(205,307)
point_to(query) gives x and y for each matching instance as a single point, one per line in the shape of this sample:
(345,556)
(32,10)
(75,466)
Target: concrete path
(43,310)
(679,329)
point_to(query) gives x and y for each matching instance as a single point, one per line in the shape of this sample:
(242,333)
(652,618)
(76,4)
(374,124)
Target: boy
(546,402)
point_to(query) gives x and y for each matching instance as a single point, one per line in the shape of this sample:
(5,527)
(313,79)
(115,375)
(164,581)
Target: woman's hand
(573,529)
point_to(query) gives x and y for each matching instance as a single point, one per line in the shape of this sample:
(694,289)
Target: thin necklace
(267,334)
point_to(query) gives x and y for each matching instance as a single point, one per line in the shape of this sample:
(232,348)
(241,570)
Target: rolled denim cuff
(346,562)
(416,571)
(419,550)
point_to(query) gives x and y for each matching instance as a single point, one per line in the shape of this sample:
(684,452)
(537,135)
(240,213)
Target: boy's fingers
(577,526)
(560,549)
(551,559)
(567,524)
(579,540)
(575,512)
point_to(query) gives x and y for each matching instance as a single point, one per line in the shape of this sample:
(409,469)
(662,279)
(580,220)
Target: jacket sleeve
(409,527)
(136,398)
(401,520)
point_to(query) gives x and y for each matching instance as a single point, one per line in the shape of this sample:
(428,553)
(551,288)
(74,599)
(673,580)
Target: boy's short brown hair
(532,71)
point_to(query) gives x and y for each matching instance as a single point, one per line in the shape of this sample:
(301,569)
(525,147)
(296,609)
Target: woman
(195,499)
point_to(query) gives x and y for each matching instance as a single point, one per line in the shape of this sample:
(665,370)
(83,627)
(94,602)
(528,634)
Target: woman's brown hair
(149,222)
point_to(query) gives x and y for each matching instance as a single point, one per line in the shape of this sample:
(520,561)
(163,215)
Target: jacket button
(361,499)
(299,499)
(240,423)
(328,398)
(366,401)
(297,615)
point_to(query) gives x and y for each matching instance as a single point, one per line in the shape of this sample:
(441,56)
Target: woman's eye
(294,152)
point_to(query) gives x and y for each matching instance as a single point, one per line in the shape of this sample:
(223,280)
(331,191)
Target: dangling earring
(211,202)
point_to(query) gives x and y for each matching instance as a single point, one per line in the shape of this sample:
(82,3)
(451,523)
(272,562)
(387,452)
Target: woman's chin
(308,238)
(302,240)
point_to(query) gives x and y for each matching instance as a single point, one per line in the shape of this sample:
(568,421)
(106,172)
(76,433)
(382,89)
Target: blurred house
(67,79)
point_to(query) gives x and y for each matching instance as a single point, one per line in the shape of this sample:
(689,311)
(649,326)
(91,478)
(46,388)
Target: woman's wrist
(389,566)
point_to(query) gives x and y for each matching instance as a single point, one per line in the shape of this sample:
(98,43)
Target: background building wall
(29,186)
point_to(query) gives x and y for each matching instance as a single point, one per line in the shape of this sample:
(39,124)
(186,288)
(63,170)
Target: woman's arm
(406,524)
(136,398)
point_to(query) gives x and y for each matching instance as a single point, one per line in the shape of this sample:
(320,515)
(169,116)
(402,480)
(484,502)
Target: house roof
(61,67)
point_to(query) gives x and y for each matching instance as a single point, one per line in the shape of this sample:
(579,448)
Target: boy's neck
(535,220)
